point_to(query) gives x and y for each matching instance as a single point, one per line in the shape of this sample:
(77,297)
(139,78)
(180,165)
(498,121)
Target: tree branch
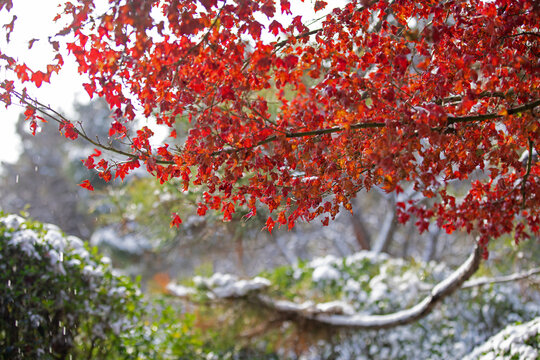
(301,36)
(524,33)
(528,172)
(387,230)
(360,231)
(500,279)
(282,43)
(450,120)
(288,135)
(337,316)
(485,94)
(403,317)
(464,119)
(60,119)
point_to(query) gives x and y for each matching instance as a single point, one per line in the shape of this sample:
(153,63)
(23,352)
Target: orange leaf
(176,221)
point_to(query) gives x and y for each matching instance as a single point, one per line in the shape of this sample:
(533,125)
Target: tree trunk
(360,231)
(431,246)
(387,232)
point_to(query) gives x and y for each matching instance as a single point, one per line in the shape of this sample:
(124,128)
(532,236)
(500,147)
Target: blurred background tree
(43,181)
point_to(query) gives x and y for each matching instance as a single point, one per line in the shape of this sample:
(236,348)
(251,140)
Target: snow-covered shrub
(59,298)
(378,284)
(517,341)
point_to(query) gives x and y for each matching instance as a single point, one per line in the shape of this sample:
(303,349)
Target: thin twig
(500,279)
(526,176)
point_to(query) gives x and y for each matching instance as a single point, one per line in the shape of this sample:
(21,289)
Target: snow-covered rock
(227,285)
(179,290)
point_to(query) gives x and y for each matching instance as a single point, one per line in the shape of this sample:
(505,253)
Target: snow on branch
(221,286)
(334,313)
(403,317)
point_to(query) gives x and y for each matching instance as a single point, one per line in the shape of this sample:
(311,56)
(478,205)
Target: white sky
(35,22)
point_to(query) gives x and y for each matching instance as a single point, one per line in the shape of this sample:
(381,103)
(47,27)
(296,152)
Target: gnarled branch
(340,316)
(373,322)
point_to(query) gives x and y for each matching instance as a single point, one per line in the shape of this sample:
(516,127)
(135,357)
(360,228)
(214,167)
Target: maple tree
(382,93)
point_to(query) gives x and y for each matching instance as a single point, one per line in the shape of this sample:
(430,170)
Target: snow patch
(130,243)
(370,256)
(335,307)
(26,240)
(284,305)
(91,271)
(325,273)
(322,261)
(179,290)
(56,239)
(12,222)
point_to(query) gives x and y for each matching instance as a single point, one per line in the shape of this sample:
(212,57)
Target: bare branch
(361,233)
(431,248)
(387,231)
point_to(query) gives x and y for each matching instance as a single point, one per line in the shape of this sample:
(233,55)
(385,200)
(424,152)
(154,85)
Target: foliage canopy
(376,93)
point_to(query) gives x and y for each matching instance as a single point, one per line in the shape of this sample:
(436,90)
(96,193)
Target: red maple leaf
(86,184)
(276,27)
